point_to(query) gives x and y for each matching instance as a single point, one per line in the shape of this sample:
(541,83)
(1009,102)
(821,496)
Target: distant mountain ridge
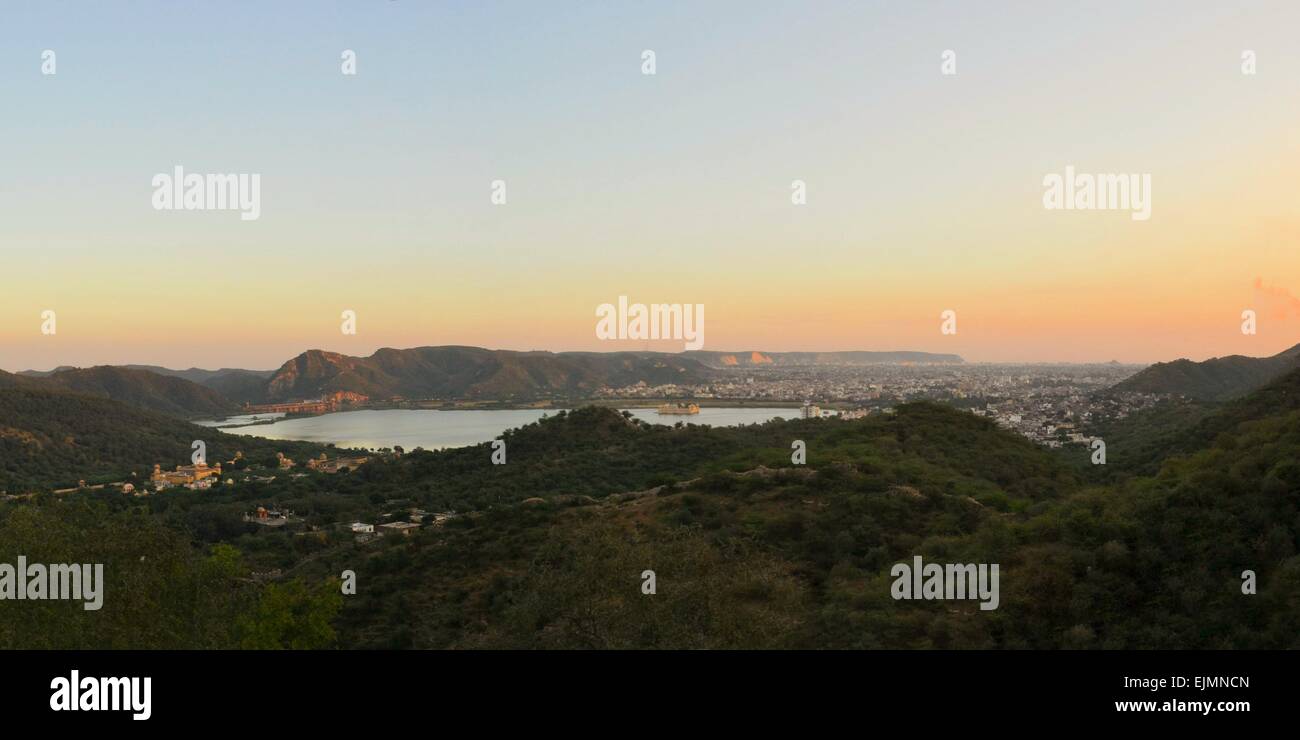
(241,386)
(144,389)
(1216,379)
(445,372)
(201,376)
(473,372)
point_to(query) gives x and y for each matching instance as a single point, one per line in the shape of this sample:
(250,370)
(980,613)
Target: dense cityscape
(1050,404)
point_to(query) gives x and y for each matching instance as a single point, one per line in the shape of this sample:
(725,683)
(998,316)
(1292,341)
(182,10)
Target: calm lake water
(241,420)
(433,429)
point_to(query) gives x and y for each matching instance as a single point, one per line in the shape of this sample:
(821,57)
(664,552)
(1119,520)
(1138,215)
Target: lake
(434,429)
(242,419)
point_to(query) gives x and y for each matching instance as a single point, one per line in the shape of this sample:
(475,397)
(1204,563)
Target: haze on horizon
(924,190)
(739,353)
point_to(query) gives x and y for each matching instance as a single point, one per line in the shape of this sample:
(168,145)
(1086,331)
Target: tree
(294,616)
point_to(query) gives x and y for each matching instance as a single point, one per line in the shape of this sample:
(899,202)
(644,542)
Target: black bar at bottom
(382,690)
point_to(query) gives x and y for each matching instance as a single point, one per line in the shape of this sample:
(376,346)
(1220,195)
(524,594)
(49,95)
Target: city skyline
(924,190)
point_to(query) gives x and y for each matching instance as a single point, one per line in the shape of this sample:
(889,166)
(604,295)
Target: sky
(924,190)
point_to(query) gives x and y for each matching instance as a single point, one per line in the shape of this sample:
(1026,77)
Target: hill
(1217,379)
(200,375)
(1181,429)
(43,373)
(239,386)
(749,555)
(143,389)
(719,513)
(750,551)
(475,373)
(448,373)
(51,437)
(160,592)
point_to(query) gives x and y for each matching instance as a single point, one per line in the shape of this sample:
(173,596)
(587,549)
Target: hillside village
(200,476)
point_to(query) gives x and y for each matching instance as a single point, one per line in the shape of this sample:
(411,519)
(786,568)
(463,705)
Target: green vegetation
(142,389)
(476,373)
(160,592)
(53,438)
(1139,443)
(748,550)
(1217,379)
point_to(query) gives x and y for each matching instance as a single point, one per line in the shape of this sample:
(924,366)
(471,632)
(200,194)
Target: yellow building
(680,409)
(183,475)
(333,466)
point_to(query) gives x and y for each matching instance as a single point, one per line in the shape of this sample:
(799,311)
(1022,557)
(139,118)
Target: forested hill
(1217,379)
(596,451)
(52,438)
(1143,441)
(751,551)
(144,389)
(474,372)
(218,390)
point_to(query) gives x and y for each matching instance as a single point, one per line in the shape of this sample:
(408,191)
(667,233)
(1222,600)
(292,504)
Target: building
(184,475)
(330,402)
(267,517)
(679,409)
(324,465)
(809,411)
(293,407)
(402,528)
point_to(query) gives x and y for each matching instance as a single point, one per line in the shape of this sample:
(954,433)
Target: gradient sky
(924,191)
